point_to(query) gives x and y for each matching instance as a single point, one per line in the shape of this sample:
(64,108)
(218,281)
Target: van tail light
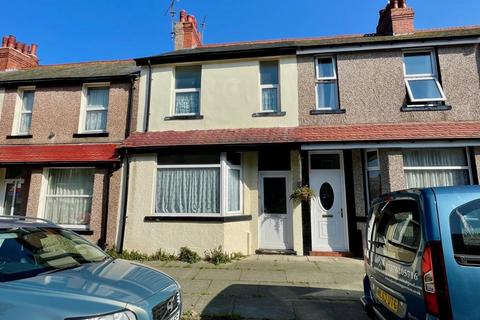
(435,288)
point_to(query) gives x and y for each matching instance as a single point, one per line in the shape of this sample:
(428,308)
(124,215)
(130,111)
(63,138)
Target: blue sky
(85,30)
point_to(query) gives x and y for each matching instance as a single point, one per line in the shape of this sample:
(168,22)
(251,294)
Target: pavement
(271,287)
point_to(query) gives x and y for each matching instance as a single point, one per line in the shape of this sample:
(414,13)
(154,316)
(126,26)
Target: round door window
(326,196)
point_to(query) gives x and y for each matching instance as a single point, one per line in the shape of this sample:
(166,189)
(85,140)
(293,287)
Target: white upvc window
(326,83)
(94,108)
(270,86)
(425,168)
(23,111)
(187,90)
(372,175)
(421,77)
(202,184)
(68,196)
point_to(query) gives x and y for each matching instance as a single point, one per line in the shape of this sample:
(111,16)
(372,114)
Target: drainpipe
(148,97)
(123,212)
(129,108)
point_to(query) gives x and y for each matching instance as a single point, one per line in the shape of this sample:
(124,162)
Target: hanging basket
(302,194)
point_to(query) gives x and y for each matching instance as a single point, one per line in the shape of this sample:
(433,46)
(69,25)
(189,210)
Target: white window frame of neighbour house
(468,167)
(44,189)
(186,90)
(224,168)
(269,86)
(20,112)
(320,80)
(84,107)
(427,76)
(369,169)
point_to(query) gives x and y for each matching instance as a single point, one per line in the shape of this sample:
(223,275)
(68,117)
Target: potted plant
(302,193)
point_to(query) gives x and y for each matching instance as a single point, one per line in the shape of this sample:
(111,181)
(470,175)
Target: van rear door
(460,234)
(396,267)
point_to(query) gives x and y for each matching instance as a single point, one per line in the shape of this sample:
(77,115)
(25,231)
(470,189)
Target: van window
(397,231)
(465,229)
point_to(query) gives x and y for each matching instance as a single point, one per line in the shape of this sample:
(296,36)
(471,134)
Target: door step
(331,254)
(276,252)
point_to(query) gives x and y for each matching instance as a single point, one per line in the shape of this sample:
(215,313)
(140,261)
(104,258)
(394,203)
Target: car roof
(8,222)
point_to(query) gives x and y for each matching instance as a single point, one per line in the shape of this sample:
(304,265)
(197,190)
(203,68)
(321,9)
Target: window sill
(222,219)
(269,114)
(425,108)
(90,135)
(186,117)
(20,136)
(319,112)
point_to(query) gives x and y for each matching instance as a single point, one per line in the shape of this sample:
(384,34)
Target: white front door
(11,197)
(328,212)
(275,211)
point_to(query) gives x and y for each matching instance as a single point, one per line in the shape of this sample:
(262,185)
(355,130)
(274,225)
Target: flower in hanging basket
(302,194)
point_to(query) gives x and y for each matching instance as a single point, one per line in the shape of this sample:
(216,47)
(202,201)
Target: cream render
(230,94)
(240,236)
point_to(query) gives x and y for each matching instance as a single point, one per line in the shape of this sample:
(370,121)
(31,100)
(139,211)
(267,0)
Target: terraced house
(226,132)
(60,126)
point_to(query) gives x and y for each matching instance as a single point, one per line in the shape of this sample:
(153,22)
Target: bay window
(436,167)
(68,198)
(372,174)
(199,184)
(187,90)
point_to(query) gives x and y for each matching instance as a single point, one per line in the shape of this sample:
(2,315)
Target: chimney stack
(186,32)
(396,19)
(17,55)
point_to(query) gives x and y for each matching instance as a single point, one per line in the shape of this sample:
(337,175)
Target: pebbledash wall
(242,236)
(55,120)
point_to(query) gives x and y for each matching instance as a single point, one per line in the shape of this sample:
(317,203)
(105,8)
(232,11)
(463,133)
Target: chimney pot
(183,16)
(17,55)
(11,41)
(396,19)
(186,32)
(33,49)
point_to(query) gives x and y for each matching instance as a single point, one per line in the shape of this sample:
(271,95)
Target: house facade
(60,126)
(225,133)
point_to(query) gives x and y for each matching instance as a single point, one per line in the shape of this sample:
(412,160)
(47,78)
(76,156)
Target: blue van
(422,254)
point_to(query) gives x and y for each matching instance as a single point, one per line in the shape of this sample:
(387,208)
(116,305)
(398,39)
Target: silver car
(47,272)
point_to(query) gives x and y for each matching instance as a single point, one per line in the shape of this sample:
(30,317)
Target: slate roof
(307,134)
(65,72)
(80,153)
(291,45)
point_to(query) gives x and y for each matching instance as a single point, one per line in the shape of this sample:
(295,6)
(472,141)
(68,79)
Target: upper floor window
(187,90)
(24,110)
(269,82)
(421,77)
(327,84)
(95,108)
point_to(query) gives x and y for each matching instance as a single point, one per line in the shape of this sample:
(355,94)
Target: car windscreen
(27,252)
(465,231)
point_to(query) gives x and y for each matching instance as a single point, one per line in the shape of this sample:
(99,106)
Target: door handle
(341,212)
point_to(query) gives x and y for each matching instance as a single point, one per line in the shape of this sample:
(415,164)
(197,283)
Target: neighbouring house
(226,132)
(60,126)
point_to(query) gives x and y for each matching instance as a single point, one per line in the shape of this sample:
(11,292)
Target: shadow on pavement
(286,302)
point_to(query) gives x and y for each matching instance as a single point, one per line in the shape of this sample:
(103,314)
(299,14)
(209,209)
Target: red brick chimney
(396,19)
(186,32)
(17,55)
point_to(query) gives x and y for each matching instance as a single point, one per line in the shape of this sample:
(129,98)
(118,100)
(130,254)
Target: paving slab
(233,289)
(180,273)
(195,286)
(218,274)
(263,275)
(264,308)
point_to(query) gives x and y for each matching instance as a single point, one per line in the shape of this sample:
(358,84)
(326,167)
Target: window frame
(19,111)
(186,90)
(84,107)
(223,166)
(367,170)
(468,167)
(319,80)
(269,86)
(423,76)
(44,189)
